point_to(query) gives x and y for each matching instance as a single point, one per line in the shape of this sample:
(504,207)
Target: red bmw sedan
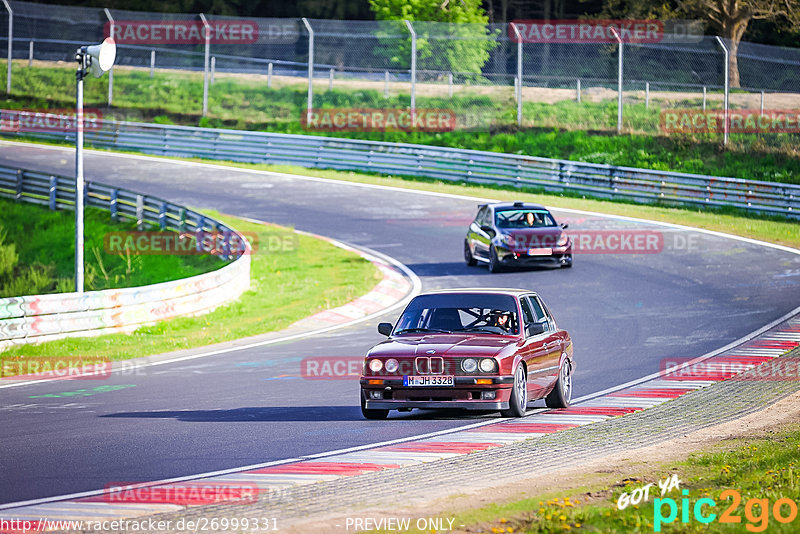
(477,349)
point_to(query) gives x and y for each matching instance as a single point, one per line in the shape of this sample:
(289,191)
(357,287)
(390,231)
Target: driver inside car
(502,320)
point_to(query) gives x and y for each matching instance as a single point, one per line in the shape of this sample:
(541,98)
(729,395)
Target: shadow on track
(283,413)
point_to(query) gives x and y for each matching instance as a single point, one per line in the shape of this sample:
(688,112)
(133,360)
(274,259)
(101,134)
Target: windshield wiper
(437,330)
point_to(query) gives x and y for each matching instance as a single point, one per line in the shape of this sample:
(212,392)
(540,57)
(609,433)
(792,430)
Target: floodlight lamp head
(102,56)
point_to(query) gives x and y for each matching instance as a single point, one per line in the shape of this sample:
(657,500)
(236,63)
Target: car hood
(442,344)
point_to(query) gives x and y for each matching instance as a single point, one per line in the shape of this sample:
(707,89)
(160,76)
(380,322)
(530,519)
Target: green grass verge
(308,276)
(566,130)
(763,469)
(43,242)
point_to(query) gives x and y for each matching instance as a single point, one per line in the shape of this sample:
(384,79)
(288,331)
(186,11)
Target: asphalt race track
(626,312)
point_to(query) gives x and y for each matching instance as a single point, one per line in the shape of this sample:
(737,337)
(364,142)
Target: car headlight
(375,366)
(391,365)
(506,239)
(563,241)
(487,365)
(469,365)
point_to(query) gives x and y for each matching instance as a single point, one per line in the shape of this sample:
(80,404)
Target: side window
(527,315)
(480,219)
(545,313)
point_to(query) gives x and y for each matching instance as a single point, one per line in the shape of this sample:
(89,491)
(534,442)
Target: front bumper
(552,256)
(465,394)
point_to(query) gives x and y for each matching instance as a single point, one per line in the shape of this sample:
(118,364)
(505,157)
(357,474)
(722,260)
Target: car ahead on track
(516,234)
(477,349)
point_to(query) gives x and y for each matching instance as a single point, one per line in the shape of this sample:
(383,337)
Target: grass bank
(37,254)
(303,276)
(565,129)
(740,480)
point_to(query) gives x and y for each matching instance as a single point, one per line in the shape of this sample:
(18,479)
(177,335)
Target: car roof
(487,290)
(522,205)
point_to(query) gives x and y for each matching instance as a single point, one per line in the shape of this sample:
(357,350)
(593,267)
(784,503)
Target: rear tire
(561,395)
(468,257)
(518,402)
(372,414)
(494,261)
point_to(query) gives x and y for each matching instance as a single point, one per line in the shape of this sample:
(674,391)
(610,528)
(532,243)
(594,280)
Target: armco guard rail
(552,175)
(45,317)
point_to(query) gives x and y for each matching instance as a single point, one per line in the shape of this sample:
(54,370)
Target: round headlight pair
(470,365)
(391,365)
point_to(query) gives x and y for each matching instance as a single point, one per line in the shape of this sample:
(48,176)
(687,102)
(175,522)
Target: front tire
(561,395)
(468,257)
(518,402)
(372,414)
(494,261)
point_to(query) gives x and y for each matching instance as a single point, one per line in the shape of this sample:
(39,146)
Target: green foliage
(451,35)
(37,254)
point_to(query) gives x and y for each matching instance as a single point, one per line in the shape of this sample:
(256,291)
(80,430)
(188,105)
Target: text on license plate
(429,380)
(540,251)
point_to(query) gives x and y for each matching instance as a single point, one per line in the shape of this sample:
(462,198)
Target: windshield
(523,218)
(463,312)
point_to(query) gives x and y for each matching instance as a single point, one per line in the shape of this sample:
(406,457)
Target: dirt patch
(605,470)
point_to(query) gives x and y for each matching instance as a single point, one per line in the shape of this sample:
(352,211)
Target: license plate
(428,381)
(540,252)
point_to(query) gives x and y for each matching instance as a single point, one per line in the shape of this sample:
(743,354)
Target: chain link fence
(285,72)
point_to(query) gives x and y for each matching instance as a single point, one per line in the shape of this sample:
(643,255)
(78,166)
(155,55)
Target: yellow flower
(502,520)
(577,525)
(562,517)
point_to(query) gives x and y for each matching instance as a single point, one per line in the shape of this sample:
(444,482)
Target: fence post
(330,79)
(139,211)
(619,80)
(413,66)
(269,76)
(519,73)
(112,204)
(207,38)
(386,84)
(19,185)
(53,193)
(309,105)
(213,67)
(10,44)
(450,84)
(578,91)
(762,102)
(704,97)
(162,216)
(725,99)
(152,62)
(646,95)
(30,53)
(111,70)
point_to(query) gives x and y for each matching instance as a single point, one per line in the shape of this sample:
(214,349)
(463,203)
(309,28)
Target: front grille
(433,365)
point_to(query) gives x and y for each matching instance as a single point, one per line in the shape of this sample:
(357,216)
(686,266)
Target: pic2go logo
(756,511)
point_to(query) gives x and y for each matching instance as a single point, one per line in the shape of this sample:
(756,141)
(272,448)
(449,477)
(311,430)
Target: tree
(727,18)
(731,17)
(461,46)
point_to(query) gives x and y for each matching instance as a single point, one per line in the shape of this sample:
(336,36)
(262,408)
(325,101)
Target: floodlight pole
(83,65)
(519,73)
(10,44)
(310,102)
(619,80)
(207,31)
(111,70)
(413,66)
(727,82)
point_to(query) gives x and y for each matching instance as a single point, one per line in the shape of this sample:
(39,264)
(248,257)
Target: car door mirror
(534,329)
(488,229)
(564,226)
(385,329)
